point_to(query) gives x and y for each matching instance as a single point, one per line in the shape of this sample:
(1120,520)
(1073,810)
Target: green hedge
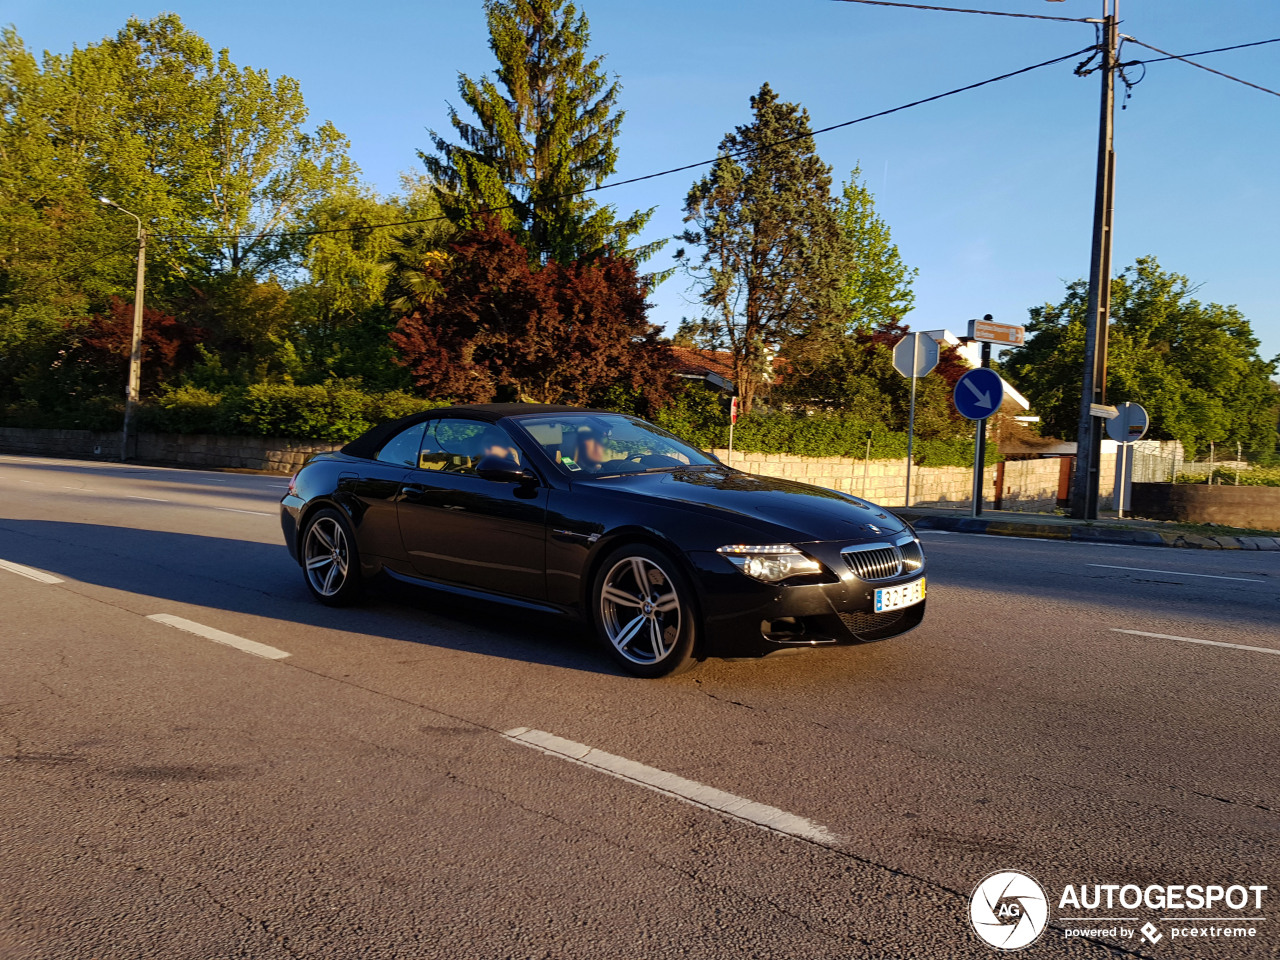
(1255,477)
(698,417)
(336,411)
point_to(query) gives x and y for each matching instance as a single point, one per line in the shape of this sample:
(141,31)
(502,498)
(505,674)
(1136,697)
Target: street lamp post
(134,386)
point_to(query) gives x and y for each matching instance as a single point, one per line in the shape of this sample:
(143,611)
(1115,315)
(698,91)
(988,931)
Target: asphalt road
(168,796)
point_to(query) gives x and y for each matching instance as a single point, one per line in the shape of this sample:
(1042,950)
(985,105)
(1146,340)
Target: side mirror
(503,470)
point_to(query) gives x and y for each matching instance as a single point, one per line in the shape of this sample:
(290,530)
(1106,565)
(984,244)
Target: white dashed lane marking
(690,791)
(219,636)
(1207,643)
(153,499)
(31,573)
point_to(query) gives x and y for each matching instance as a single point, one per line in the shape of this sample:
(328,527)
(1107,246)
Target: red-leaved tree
(499,327)
(91,358)
(168,344)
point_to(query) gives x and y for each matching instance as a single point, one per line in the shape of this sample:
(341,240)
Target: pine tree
(773,254)
(545,131)
(877,289)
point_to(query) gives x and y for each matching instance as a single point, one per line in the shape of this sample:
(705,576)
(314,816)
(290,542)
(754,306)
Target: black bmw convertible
(670,555)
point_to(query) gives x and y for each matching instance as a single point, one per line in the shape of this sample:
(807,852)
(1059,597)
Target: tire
(330,559)
(644,613)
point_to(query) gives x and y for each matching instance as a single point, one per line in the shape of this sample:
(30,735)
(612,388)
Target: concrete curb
(1084,534)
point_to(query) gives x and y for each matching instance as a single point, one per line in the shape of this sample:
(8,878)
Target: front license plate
(903,595)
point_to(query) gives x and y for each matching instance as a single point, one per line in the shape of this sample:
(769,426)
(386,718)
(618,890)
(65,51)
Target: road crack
(281,939)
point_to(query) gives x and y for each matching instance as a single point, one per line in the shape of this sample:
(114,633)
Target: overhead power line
(1183,58)
(648,176)
(988,13)
(132,245)
(1200,53)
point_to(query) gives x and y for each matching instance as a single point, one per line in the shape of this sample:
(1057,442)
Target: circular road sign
(1129,424)
(978,393)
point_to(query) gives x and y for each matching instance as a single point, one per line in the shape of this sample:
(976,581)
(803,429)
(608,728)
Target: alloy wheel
(640,610)
(326,556)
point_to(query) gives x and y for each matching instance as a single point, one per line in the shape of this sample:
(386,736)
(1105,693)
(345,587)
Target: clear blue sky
(988,193)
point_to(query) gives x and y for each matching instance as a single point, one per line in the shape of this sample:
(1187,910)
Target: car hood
(808,513)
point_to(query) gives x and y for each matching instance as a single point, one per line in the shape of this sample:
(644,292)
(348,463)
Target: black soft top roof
(368,444)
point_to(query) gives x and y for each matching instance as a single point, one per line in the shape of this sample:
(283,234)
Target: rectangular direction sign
(1102,410)
(1002,333)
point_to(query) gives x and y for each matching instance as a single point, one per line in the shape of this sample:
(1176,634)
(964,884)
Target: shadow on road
(261,580)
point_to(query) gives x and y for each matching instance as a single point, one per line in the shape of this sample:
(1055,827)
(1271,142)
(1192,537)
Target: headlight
(770,563)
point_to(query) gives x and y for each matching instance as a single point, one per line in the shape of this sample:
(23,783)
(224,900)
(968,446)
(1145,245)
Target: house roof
(693,362)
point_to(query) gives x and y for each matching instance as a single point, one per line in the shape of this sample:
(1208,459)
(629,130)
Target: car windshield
(603,444)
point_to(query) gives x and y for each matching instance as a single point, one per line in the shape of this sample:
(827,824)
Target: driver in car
(591,452)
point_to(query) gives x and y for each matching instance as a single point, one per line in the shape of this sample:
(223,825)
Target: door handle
(412,491)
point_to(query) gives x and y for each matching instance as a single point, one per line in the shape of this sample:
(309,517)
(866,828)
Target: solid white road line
(1176,573)
(218,636)
(1207,643)
(31,573)
(690,791)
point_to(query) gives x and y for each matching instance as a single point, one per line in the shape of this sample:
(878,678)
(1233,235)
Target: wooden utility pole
(1084,488)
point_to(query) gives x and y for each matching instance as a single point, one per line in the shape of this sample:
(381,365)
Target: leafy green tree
(1194,366)
(209,153)
(214,158)
(854,375)
(362,278)
(773,255)
(545,131)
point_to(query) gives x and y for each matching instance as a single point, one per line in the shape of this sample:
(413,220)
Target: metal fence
(1157,461)
(1160,461)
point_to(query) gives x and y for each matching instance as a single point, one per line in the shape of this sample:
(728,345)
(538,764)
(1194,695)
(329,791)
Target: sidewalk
(1043,526)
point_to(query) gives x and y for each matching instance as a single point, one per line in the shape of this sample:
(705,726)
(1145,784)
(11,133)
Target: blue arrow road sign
(979,393)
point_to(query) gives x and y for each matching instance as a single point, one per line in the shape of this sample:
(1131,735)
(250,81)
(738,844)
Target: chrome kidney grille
(883,561)
(912,556)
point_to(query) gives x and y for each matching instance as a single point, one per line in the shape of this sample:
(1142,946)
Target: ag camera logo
(1009,910)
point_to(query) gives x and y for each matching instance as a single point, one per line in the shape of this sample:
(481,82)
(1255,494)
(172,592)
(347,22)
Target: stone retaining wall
(269,454)
(1027,485)
(1256,508)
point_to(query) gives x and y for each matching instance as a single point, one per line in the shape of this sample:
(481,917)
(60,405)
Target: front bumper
(743,617)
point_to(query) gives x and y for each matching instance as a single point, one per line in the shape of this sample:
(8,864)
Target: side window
(456,446)
(402,449)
